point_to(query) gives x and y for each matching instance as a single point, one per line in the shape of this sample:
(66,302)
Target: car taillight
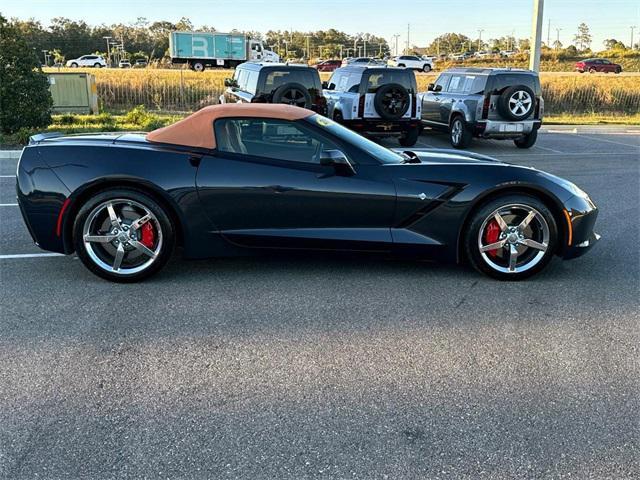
(361,106)
(414,105)
(485,106)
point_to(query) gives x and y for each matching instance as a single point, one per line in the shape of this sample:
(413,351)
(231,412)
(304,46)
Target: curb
(10,154)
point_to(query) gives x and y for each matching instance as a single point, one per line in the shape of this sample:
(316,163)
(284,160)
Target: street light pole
(396,36)
(480,30)
(558,37)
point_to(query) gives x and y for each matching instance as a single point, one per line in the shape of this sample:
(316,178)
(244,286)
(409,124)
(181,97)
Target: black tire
(198,66)
(161,221)
(426,68)
(96,65)
(74,65)
(337,116)
(592,70)
(391,101)
(504,99)
(401,65)
(292,94)
(618,70)
(527,141)
(472,234)
(410,137)
(463,140)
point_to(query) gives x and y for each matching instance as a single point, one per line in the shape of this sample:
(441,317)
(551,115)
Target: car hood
(448,156)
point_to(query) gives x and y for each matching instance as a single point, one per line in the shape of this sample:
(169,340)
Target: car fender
(460,108)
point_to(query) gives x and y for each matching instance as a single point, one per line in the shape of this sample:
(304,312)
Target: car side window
(270,139)
(443,81)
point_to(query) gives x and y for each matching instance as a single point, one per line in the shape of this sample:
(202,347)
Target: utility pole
(341,56)
(480,30)
(557,37)
(396,36)
(355,45)
(631,44)
(408,36)
(365,46)
(536,35)
(549,34)
(108,50)
(308,55)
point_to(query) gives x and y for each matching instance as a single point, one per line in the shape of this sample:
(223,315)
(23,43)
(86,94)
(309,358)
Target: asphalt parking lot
(333,367)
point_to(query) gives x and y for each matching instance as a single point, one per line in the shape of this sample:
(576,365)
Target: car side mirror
(337,160)
(230,82)
(430,87)
(325,85)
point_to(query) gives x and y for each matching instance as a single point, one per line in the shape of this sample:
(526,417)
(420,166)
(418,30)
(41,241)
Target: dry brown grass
(184,90)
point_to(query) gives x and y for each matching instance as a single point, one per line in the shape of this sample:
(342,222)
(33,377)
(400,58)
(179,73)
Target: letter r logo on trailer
(199,46)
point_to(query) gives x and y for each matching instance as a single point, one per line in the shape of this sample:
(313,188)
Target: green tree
(583,37)
(449,43)
(613,44)
(25,101)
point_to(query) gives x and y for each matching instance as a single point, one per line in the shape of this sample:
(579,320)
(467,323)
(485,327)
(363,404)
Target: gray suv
(485,103)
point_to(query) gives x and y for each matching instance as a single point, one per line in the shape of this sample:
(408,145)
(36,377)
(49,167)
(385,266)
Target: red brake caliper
(148,235)
(491,235)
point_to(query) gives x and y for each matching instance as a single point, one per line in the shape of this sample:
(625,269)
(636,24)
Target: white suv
(96,61)
(375,101)
(413,62)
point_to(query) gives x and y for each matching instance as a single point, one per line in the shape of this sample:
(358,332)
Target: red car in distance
(328,65)
(593,65)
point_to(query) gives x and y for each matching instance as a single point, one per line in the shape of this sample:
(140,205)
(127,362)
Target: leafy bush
(67,119)
(25,101)
(137,115)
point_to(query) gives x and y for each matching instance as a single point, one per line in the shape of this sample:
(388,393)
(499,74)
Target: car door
(431,101)
(264,187)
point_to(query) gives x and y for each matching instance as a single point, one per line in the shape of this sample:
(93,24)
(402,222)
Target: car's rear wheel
(618,70)
(426,68)
(123,235)
(527,141)
(96,65)
(410,137)
(592,70)
(198,66)
(460,133)
(74,65)
(511,237)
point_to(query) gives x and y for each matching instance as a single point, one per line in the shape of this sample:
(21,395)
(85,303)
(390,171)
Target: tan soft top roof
(197,129)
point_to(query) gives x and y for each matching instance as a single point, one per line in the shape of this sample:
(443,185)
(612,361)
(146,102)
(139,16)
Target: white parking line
(30,255)
(586,135)
(7,176)
(8,204)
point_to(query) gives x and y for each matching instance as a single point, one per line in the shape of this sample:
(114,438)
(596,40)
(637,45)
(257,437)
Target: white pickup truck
(376,101)
(412,62)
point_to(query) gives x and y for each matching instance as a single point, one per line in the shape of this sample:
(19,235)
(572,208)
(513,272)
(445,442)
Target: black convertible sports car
(245,178)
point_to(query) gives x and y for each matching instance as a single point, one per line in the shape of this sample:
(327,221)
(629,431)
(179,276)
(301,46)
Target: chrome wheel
(513,238)
(520,103)
(122,236)
(456,131)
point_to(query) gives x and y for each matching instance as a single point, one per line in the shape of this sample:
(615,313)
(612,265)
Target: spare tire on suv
(516,102)
(292,94)
(391,101)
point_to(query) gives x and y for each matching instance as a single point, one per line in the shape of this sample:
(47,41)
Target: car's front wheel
(426,68)
(527,141)
(511,237)
(460,133)
(74,65)
(123,235)
(410,137)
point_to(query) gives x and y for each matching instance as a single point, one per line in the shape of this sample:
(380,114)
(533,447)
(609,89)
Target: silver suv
(485,103)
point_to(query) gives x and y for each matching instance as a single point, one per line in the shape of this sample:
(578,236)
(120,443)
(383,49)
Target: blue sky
(428,18)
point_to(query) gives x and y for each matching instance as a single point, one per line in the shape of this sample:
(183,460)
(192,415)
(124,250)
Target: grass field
(184,90)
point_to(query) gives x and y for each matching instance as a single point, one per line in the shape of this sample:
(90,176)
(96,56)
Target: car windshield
(382,154)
